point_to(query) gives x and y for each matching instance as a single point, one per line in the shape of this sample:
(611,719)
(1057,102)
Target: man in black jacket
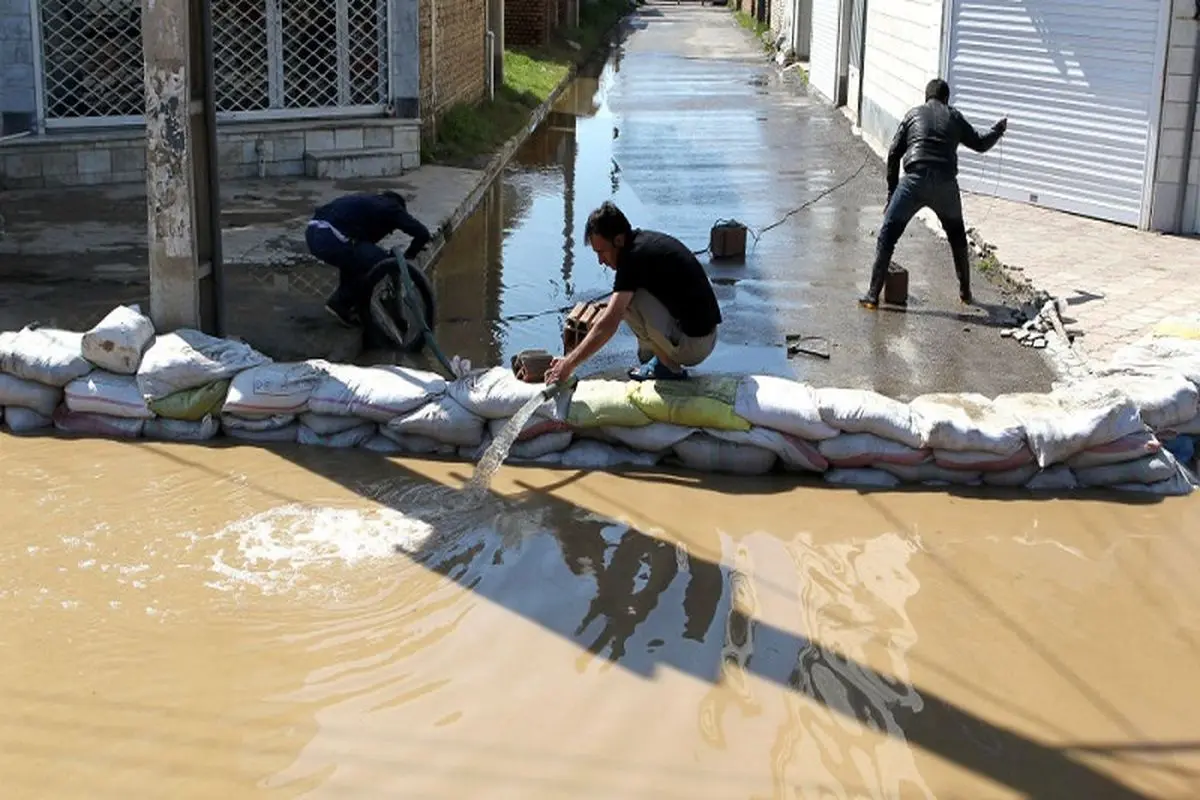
(346,232)
(927,141)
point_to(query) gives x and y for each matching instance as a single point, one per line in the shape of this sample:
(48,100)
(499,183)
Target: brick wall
(458,74)
(529,22)
(1170,168)
(17,102)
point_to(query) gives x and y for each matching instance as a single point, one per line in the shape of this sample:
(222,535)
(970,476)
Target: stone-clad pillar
(404,23)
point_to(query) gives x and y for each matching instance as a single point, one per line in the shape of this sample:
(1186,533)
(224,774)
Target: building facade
(324,88)
(1101,94)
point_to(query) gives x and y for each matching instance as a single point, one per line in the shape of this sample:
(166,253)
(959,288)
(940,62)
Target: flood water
(234,622)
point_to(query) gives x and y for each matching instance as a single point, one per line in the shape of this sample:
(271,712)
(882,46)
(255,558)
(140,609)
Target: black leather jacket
(930,136)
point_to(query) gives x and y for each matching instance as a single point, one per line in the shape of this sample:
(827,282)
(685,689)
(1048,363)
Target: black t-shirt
(667,269)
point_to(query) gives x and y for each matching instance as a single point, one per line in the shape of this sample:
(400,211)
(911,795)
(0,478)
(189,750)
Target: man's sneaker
(868,302)
(655,370)
(345,317)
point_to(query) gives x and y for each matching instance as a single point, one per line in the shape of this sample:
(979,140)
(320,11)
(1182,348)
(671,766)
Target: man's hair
(607,222)
(395,197)
(937,89)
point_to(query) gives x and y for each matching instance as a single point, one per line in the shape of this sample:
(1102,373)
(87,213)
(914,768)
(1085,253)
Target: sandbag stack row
(120,379)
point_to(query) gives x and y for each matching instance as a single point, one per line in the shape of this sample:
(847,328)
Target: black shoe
(967,299)
(868,302)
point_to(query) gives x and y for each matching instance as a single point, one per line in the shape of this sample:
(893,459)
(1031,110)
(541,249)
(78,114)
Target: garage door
(824,57)
(1079,80)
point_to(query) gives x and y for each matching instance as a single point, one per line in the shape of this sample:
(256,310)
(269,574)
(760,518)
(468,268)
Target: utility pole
(182,193)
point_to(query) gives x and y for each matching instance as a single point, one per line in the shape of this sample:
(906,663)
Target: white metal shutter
(1077,79)
(823,56)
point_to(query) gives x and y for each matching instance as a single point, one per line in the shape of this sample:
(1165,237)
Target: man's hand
(1001,126)
(559,370)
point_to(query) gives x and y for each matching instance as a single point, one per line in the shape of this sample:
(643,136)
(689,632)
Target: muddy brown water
(181,621)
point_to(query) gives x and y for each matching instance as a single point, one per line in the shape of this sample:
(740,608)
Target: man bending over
(660,290)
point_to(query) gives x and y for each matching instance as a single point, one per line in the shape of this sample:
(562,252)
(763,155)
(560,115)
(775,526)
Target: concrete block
(290,148)
(1170,170)
(1179,61)
(1174,115)
(1183,31)
(1170,143)
(94,162)
(59,163)
(406,140)
(128,176)
(1162,207)
(14,7)
(23,166)
(316,141)
(129,159)
(348,139)
(378,136)
(411,160)
(230,152)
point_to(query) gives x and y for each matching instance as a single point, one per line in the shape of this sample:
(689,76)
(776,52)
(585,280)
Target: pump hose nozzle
(555,388)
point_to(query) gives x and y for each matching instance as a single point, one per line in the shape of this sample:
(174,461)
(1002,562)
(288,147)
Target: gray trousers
(658,332)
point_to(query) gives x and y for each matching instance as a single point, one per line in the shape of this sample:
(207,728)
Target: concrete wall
(17,92)
(1169,170)
(453,54)
(903,50)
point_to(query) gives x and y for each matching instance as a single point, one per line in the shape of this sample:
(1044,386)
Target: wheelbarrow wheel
(393,319)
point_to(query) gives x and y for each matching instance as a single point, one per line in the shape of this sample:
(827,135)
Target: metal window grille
(92,59)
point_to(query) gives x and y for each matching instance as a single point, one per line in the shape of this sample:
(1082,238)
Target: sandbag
(977,460)
(1055,479)
(601,403)
(101,425)
(181,430)
(187,359)
(862,478)
(473,454)
(444,420)
(275,388)
(1152,352)
(25,420)
(418,445)
(599,455)
(327,424)
(495,393)
(192,405)
(39,397)
(704,453)
(286,434)
(231,422)
(966,422)
(1013,478)
(1067,422)
(1128,448)
(1151,469)
(535,426)
(657,437)
(795,453)
(701,402)
(379,394)
(1162,395)
(864,411)
(1189,428)
(355,437)
(850,450)
(383,445)
(44,355)
(542,445)
(108,394)
(117,342)
(930,472)
(782,405)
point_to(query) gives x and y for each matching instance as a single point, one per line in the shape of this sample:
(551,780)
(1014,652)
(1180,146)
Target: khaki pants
(658,333)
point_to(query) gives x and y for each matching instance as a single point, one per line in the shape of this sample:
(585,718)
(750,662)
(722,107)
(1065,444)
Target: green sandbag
(192,405)
(700,402)
(604,404)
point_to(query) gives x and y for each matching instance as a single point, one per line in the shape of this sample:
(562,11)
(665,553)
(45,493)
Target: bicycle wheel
(396,321)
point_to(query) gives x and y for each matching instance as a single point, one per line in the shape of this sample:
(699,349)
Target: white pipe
(489,66)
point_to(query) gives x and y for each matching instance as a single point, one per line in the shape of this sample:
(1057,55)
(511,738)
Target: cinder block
(378,136)
(289,148)
(316,141)
(60,164)
(1170,143)
(1178,88)
(348,139)
(129,159)
(26,165)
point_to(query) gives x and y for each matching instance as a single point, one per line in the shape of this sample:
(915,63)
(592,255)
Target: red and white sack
(854,450)
(864,411)
(108,394)
(101,425)
(795,453)
(704,453)
(272,389)
(1073,419)
(379,394)
(781,405)
(442,419)
(979,461)
(657,437)
(1128,448)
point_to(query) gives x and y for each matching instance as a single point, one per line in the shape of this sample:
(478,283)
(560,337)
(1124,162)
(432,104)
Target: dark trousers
(353,261)
(917,190)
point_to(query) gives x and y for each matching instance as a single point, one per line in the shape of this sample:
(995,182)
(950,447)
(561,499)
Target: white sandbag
(419,445)
(782,405)
(117,342)
(1128,448)
(863,411)
(966,422)
(850,450)
(1058,478)
(100,425)
(1151,469)
(442,419)
(181,430)
(473,454)
(231,422)
(542,445)
(795,453)
(862,478)
(188,359)
(379,394)
(285,435)
(39,397)
(355,437)
(588,454)
(383,445)
(706,454)
(272,389)
(1153,352)
(26,420)
(980,461)
(657,437)
(535,426)
(44,355)
(1073,419)
(1181,483)
(328,424)
(109,394)
(497,394)
(1163,396)
(1189,428)
(930,472)
(1013,478)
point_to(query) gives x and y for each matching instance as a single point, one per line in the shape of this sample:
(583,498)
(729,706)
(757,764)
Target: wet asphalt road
(688,124)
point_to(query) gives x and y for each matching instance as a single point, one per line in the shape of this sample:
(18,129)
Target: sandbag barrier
(1132,426)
